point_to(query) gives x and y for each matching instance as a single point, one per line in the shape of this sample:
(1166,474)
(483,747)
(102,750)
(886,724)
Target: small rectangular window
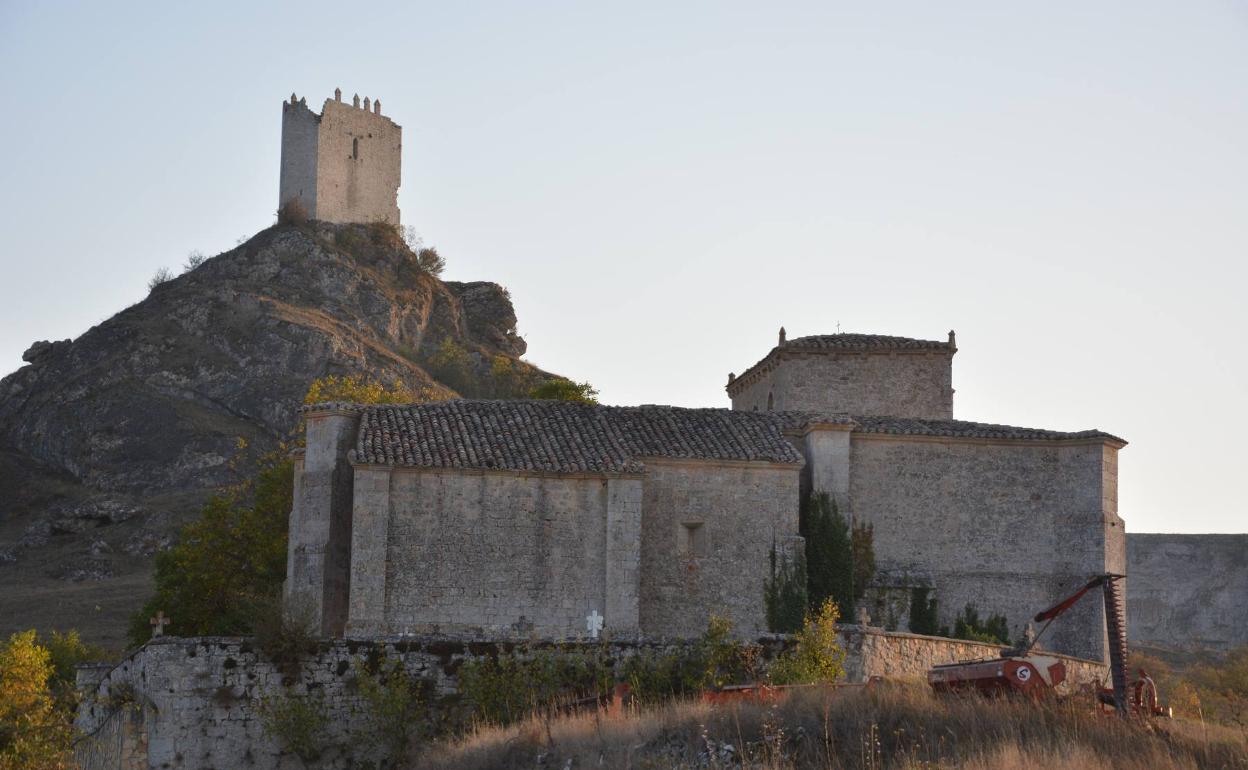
(692,540)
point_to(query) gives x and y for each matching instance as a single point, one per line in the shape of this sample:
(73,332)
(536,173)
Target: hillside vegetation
(892,726)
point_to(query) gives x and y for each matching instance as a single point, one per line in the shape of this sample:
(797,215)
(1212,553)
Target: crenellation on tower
(343,165)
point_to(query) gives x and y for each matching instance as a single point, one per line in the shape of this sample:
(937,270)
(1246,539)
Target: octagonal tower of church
(343,164)
(859,374)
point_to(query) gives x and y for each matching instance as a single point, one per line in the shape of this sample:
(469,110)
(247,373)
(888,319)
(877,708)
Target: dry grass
(891,727)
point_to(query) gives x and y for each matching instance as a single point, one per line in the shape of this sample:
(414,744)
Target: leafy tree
(829,552)
(818,655)
(357,390)
(784,592)
(34,733)
(66,652)
(228,561)
(562,389)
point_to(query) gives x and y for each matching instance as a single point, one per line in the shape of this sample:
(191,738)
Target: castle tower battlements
(342,165)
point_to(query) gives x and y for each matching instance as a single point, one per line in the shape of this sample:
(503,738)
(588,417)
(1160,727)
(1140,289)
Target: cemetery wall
(194,703)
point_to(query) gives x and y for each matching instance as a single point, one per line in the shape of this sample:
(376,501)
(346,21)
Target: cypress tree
(829,554)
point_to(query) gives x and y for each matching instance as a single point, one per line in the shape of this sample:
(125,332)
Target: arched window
(355,148)
(771,402)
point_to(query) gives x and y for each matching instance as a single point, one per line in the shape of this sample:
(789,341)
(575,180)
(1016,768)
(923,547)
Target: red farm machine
(1020,671)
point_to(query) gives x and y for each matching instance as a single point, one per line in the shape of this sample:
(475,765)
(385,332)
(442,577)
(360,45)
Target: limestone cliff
(110,440)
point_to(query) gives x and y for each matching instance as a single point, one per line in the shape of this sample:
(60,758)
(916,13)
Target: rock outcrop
(109,441)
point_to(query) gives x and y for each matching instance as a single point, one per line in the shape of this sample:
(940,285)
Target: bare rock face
(1187,592)
(114,438)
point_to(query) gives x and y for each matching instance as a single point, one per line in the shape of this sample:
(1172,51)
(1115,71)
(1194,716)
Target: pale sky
(663,185)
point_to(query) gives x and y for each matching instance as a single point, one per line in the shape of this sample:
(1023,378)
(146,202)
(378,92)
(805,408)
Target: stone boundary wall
(901,656)
(192,703)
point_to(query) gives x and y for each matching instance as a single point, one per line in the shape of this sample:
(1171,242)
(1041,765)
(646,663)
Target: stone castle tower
(341,165)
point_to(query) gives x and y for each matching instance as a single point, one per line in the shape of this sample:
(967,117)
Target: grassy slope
(891,727)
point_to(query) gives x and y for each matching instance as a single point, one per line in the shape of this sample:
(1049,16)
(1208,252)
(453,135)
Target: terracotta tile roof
(906,426)
(562,436)
(863,342)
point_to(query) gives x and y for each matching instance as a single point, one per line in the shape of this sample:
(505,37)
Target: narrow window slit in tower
(692,540)
(355,148)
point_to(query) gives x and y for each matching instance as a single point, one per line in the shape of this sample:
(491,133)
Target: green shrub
(968,625)
(510,378)
(562,389)
(923,612)
(818,656)
(357,390)
(285,631)
(509,687)
(713,661)
(452,365)
(299,722)
(394,709)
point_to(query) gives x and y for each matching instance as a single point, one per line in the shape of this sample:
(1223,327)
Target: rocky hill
(110,441)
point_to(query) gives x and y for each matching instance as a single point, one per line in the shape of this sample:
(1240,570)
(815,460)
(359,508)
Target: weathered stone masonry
(342,165)
(192,703)
(531,517)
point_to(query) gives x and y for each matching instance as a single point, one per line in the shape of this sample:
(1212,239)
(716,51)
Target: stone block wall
(1188,591)
(358,165)
(492,551)
(193,703)
(706,532)
(1009,527)
(318,550)
(297,180)
(894,384)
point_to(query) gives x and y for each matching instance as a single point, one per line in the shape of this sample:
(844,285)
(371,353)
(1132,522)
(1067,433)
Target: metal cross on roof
(158,624)
(593,623)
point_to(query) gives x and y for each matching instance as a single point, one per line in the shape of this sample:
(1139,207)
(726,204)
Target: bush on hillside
(357,390)
(162,275)
(292,213)
(562,389)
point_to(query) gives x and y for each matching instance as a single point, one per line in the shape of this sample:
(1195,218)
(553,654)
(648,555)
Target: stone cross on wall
(158,624)
(593,623)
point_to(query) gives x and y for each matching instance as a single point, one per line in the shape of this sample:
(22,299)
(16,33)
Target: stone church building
(554,519)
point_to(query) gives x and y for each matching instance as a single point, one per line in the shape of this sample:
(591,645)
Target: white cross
(593,623)
(158,624)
